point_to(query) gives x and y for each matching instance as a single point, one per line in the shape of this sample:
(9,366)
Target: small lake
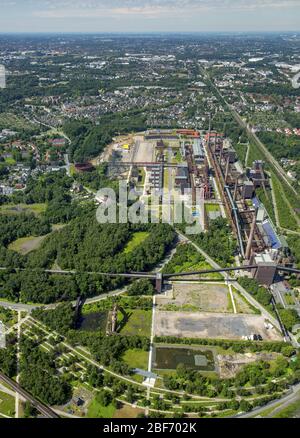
(93,321)
(168,358)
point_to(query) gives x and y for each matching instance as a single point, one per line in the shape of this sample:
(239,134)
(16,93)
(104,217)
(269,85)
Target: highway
(44,409)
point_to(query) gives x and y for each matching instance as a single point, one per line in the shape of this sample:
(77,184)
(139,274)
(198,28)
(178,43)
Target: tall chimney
(227,170)
(235,189)
(249,244)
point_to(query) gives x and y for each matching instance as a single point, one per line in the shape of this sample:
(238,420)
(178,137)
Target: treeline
(218,242)
(185,257)
(86,245)
(39,376)
(13,227)
(236,346)
(41,287)
(89,140)
(108,350)
(8,357)
(53,189)
(289,317)
(61,319)
(280,145)
(258,375)
(260,293)
(97,179)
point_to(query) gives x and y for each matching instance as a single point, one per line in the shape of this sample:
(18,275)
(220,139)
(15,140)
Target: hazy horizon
(149,16)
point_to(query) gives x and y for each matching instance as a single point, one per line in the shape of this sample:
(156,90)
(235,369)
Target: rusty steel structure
(242,216)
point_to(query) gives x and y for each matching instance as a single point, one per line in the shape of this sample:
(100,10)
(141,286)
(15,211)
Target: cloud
(147,8)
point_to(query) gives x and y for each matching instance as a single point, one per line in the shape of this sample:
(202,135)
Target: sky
(149,15)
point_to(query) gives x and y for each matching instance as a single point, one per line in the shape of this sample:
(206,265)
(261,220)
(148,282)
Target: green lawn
(291,411)
(10,161)
(136,358)
(212,207)
(7,404)
(136,240)
(138,323)
(96,410)
(23,208)
(200,266)
(24,245)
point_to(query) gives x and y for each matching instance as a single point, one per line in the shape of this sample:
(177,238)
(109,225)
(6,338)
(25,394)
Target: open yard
(143,152)
(26,244)
(203,297)
(137,322)
(7,404)
(96,410)
(127,412)
(211,325)
(136,358)
(136,240)
(23,208)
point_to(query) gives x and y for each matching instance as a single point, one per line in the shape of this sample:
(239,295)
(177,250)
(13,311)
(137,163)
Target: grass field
(127,412)
(138,323)
(7,404)
(96,410)
(12,209)
(11,121)
(136,240)
(26,244)
(136,358)
(292,411)
(10,161)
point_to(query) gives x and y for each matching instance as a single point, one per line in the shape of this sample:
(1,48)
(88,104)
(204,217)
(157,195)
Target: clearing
(212,325)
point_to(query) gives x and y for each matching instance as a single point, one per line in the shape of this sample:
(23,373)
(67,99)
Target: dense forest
(89,140)
(39,376)
(86,246)
(218,242)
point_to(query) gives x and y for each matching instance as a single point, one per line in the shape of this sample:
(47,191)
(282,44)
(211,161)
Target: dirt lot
(230,364)
(143,152)
(204,297)
(208,325)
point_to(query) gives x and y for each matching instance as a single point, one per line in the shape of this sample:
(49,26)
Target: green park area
(24,245)
(23,208)
(7,405)
(136,322)
(136,358)
(135,241)
(97,410)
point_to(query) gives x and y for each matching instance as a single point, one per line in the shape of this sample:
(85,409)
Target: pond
(93,321)
(168,358)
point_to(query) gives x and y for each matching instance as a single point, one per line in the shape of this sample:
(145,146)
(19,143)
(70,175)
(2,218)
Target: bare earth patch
(211,325)
(200,297)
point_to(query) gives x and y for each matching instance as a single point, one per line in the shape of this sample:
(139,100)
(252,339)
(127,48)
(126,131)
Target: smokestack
(249,244)
(235,189)
(227,170)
